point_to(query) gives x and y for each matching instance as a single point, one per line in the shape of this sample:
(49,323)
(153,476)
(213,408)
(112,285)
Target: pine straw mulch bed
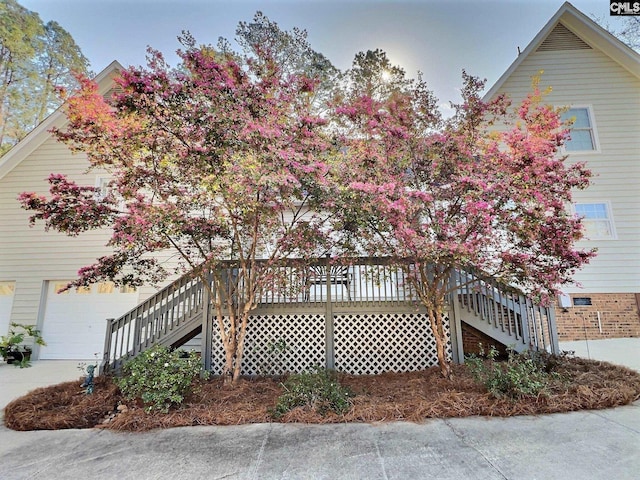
(413,396)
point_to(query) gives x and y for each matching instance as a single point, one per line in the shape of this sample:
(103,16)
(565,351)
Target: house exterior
(598,78)
(34,264)
(589,70)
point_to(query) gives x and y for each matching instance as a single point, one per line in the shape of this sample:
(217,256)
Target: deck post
(207,325)
(106,354)
(553,329)
(455,325)
(330,359)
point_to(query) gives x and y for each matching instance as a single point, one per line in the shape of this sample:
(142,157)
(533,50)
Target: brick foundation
(472,339)
(619,317)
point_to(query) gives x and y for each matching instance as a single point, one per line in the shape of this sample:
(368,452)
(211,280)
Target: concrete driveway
(582,445)
(15,382)
(589,445)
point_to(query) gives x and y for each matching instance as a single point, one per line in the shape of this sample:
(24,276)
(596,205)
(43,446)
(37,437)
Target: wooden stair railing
(504,313)
(170,317)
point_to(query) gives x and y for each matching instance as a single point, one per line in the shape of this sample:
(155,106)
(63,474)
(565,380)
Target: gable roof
(40,134)
(571,29)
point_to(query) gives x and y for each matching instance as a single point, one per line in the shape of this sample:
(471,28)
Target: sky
(439,38)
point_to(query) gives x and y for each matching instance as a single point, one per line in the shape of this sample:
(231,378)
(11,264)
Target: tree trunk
(233,338)
(240,348)
(227,370)
(437,327)
(228,343)
(233,343)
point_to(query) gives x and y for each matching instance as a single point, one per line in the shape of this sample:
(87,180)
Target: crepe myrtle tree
(458,194)
(219,160)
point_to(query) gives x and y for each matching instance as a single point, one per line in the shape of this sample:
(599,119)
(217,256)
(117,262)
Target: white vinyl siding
(590,78)
(30,255)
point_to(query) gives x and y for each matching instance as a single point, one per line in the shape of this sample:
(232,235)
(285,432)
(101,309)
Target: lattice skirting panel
(364,343)
(278,344)
(368,344)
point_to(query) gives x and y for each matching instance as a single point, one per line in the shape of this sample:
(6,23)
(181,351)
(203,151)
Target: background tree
(457,196)
(56,63)
(35,60)
(20,32)
(291,51)
(630,32)
(625,28)
(220,162)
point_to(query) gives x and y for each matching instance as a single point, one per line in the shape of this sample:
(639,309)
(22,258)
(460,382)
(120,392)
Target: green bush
(319,390)
(160,377)
(522,375)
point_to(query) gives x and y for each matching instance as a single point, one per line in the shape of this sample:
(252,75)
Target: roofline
(41,133)
(574,19)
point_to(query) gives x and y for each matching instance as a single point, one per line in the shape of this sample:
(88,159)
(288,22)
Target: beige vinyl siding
(29,254)
(590,78)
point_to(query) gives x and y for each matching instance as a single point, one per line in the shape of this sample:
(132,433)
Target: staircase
(176,314)
(504,313)
(171,317)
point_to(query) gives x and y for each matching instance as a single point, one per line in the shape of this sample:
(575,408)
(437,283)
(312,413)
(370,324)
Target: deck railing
(361,280)
(177,311)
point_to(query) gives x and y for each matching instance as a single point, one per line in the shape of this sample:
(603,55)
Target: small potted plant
(12,348)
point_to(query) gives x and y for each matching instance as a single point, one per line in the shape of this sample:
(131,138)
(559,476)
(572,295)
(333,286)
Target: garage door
(6,301)
(75,321)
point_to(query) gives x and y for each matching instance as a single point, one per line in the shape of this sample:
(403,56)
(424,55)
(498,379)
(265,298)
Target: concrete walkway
(622,351)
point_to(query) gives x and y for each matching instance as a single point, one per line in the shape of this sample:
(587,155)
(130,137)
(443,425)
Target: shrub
(319,390)
(160,377)
(522,375)
(12,346)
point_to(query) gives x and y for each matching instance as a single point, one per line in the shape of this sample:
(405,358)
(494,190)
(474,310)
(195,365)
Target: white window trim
(607,203)
(100,179)
(99,183)
(594,131)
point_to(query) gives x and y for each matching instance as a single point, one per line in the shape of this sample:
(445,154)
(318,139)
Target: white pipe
(599,322)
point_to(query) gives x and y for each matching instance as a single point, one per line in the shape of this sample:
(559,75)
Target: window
(596,218)
(582,301)
(106,188)
(7,289)
(106,287)
(59,286)
(582,134)
(102,183)
(110,287)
